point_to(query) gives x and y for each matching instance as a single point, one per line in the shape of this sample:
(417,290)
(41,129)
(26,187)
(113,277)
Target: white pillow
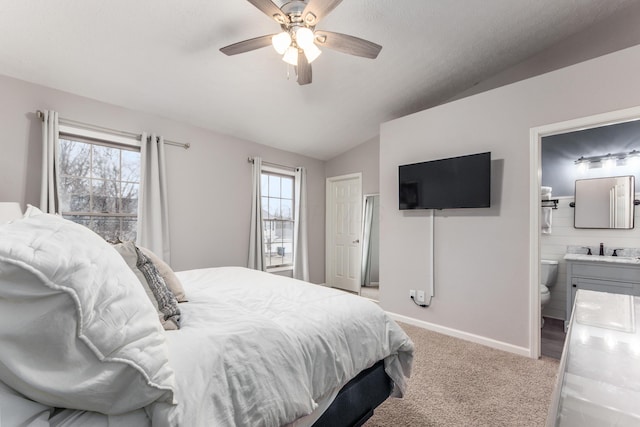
(76,328)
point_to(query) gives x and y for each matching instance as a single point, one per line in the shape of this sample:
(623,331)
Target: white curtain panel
(300,245)
(153,211)
(49,189)
(365,275)
(256,242)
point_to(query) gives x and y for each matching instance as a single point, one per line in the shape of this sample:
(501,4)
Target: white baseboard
(522,351)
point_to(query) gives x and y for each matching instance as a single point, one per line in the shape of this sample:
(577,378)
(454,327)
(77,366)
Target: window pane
(278,237)
(128,232)
(265,208)
(107,227)
(130,166)
(287,231)
(105,194)
(268,232)
(74,194)
(288,253)
(129,202)
(264,184)
(287,188)
(274,186)
(267,256)
(286,209)
(281,250)
(106,162)
(274,208)
(74,158)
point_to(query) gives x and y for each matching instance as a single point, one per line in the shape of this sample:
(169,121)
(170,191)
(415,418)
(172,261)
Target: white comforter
(257,349)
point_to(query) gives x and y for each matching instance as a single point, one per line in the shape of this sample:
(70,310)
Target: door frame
(535,180)
(329,223)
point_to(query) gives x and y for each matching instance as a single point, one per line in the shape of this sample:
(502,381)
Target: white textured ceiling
(162,57)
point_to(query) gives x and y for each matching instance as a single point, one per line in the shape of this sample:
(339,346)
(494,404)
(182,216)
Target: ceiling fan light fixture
(291,56)
(298,42)
(281,42)
(312,52)
(304,37)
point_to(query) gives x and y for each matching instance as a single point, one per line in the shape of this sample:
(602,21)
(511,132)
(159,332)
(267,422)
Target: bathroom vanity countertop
(602,258)
(599,379)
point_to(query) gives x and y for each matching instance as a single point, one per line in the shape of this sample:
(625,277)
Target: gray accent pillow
(170,278)
(165,299)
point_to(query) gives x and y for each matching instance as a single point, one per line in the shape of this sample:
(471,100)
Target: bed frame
(356,401)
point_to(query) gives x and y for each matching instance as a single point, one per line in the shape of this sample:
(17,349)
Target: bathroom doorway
(537,134)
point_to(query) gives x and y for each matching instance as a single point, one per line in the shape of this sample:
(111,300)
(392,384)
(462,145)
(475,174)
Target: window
(277,218)
(98,186)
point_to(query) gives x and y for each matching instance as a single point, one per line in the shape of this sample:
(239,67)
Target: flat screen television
(456,182)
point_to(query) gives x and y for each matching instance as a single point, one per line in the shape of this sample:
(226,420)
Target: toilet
(548,275)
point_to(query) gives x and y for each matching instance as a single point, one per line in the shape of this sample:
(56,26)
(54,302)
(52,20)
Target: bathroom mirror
(605,202)
(370,265)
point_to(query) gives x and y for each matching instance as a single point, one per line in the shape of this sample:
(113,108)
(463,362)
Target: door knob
(356,241)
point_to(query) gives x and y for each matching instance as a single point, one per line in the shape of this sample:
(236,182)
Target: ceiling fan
(299,40)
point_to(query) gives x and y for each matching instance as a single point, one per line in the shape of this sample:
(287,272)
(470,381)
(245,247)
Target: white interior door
(344,227)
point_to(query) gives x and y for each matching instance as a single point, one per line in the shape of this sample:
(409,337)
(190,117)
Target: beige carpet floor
(458,383)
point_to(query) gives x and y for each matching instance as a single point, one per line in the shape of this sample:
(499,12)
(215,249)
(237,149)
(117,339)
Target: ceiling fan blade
(318,9)
(247,45)
(271,10)
(348,44)
(304,69)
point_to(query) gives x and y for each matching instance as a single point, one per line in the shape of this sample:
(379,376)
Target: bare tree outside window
(278,219)
(98,187)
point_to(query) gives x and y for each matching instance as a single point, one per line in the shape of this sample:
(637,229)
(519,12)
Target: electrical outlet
(412,293)
(420,296)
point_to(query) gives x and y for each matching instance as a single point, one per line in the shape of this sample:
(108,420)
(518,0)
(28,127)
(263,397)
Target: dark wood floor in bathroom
(552,338)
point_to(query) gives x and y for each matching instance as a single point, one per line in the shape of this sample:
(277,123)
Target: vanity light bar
(585,161)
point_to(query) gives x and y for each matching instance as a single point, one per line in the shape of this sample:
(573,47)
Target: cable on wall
(431,258)
(430,264)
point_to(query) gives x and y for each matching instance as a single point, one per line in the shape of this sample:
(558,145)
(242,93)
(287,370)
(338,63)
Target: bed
(82,346)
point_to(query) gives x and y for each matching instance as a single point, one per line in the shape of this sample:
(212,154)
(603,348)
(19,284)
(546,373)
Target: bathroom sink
(602,258)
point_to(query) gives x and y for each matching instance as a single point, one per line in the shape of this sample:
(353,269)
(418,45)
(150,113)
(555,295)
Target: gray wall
(482,255)
(364,158)
(209,184)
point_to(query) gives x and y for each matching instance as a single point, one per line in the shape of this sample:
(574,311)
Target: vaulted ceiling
(162,57)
